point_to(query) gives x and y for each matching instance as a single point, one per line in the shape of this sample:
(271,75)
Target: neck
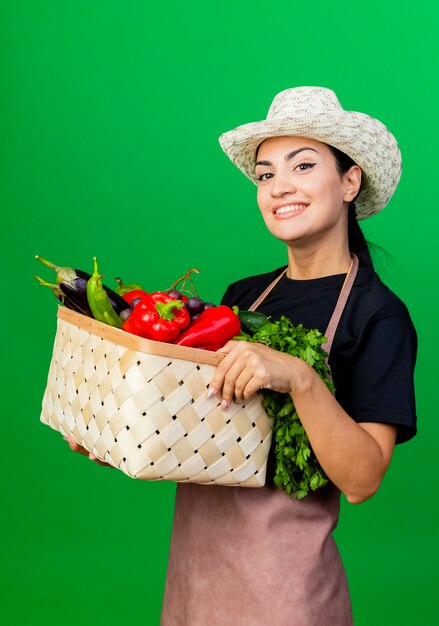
(304,264)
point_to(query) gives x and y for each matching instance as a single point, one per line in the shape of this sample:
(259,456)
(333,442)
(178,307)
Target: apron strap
(265,293)
(341,303)
(339,307)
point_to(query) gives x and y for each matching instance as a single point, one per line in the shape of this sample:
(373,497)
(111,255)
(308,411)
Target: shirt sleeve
(378,381)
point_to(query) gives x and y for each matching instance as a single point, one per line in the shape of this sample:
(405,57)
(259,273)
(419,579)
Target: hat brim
(365,139)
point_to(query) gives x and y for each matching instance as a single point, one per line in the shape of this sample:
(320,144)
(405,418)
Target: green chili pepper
(123,289)
(98,300)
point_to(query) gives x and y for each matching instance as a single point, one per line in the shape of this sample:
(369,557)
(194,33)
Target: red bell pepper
(157,316)
(129,296)
(211,330)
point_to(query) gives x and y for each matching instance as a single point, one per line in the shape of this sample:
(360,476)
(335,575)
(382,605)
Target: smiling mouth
(290,208)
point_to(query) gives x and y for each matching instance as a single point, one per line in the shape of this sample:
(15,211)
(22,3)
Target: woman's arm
(354,456)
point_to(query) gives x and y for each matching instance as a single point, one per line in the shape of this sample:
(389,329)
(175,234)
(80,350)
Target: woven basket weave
(141,406)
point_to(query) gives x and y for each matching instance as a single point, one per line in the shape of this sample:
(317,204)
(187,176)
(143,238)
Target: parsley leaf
(297,469)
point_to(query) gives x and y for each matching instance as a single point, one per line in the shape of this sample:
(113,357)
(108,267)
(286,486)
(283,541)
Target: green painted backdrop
(110,114)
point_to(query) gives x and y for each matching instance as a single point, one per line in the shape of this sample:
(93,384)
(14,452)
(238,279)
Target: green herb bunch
(297,469)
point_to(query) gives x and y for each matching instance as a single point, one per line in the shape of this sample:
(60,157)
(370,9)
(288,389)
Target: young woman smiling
(304,202)
(254,557)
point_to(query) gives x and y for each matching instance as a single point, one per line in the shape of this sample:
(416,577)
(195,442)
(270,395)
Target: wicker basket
(141,406)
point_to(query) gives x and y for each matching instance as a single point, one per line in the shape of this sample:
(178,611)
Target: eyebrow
(288,156)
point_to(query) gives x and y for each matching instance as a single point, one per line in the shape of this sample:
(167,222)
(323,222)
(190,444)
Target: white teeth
(290,208)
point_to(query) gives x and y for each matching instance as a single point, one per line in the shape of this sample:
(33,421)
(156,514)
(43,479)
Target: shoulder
(244,292)
(373,299)
(375,319)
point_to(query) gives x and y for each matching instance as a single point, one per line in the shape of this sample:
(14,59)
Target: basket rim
(134,342)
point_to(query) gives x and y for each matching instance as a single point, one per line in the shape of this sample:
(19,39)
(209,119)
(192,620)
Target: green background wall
(110,114)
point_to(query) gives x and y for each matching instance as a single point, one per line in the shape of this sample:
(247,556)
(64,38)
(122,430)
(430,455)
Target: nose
(282,184)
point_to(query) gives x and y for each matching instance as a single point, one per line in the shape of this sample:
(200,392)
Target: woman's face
(301,195)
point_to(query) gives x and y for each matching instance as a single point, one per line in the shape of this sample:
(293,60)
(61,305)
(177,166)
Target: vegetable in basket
(158,316)
(184,289)
(132,294)
(297,469)
(133,297)
(99,301)
(73,286)
(123,290)
(212,329)
(73,301)
(174,293)
(251,320)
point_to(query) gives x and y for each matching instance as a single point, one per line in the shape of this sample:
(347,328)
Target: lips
(289,208)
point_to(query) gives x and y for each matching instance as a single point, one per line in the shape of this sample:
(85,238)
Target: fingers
(252,387)
(229,367)
(78,448)
(250,367)
(75,446)
(217,382)
(242,385)
(94,458)
(234,375)
(231,388)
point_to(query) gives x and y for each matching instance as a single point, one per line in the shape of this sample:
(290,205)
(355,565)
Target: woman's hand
(249,367)
(354,455)
(77,448)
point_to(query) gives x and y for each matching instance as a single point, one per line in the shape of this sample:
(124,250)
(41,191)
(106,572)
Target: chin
(289,236)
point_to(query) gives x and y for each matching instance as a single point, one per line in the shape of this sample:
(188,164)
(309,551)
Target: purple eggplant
(73,284)
(70,302)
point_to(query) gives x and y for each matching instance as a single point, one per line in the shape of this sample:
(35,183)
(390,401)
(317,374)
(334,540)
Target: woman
(254,557)
(250,557)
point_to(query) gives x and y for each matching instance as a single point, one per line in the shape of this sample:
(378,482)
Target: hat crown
(301,101)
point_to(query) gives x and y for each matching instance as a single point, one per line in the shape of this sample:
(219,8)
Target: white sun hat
(316,113)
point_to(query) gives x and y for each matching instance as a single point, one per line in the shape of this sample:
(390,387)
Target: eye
(302,167)
(262,177)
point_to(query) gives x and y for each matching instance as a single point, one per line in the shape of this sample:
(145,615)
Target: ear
(352,179)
